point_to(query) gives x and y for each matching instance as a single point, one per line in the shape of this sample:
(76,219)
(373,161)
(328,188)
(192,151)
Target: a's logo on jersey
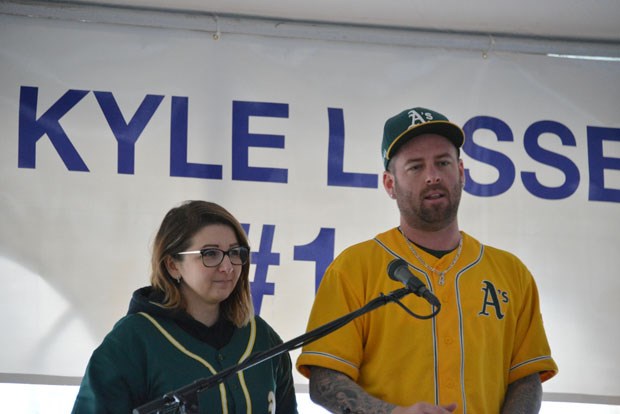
(492,298)
(271,399)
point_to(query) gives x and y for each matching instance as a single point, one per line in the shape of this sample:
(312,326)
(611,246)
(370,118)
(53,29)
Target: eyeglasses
(212,257)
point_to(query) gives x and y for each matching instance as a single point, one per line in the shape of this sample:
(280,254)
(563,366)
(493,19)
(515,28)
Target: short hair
(178,227)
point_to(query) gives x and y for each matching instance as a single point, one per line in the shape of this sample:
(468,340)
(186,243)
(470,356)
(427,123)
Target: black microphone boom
(398,270)
(185,400)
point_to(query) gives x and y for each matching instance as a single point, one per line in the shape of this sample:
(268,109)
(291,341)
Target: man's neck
(443,239)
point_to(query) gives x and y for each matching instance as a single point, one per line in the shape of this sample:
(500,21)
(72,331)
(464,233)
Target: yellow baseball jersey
(488,333)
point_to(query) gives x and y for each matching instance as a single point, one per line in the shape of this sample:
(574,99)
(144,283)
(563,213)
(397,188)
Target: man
(486,350)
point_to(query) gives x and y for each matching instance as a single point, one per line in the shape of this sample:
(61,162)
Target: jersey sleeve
(531,352)
(341,350)
(111,378)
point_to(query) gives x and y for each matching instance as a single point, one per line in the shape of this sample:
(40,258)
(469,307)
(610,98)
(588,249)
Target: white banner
(104,128)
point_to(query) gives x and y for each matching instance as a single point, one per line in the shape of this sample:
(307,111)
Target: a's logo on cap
(419,118)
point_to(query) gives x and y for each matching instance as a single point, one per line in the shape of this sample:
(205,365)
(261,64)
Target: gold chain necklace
(429,267)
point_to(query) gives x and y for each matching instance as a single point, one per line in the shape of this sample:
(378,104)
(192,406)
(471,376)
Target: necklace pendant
(431,269)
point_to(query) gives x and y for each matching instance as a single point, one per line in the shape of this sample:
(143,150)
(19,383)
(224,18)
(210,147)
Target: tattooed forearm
(523,396)
(339,394)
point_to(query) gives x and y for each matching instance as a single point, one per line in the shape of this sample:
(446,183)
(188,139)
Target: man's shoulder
(489,250)
(497,253)
(504,261)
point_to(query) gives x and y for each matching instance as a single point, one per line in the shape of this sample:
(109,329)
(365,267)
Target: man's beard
(429,218)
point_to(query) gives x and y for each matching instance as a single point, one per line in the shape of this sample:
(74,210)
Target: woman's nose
(226,265)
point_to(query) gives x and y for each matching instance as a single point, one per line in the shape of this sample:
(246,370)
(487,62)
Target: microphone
(398,270)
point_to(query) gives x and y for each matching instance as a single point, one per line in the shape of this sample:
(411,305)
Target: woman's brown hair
(175,233)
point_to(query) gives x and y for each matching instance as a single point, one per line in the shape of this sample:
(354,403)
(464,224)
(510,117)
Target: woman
(194,320)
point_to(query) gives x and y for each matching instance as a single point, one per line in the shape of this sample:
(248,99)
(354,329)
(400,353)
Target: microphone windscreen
(393,268)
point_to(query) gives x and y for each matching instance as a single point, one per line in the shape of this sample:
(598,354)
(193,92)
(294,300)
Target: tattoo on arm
(523,396)
(339,394)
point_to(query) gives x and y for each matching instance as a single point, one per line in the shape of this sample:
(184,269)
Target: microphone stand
(185,399)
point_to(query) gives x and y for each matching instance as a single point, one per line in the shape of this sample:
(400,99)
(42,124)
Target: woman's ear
(171,266)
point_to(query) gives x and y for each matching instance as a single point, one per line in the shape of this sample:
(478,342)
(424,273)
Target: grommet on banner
(217,34)
(485,53)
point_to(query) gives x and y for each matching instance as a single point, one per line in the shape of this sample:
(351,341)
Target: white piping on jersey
(190,354)
(246,353)
(461,329)
(460,316)
(460,313)
(529,361)
(334,357)
(433,323)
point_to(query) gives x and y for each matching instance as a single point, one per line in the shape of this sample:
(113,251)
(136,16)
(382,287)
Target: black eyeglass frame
(203,252)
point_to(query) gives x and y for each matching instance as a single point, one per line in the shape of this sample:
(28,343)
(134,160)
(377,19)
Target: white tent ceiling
(563,19)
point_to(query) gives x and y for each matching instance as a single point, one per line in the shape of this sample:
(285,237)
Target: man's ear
(388,183)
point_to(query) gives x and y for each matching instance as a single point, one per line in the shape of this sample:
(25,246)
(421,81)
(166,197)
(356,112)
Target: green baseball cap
(413,122)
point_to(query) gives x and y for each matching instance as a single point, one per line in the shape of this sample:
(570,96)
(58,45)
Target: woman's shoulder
(134,325)
(264,328)
(260,323)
